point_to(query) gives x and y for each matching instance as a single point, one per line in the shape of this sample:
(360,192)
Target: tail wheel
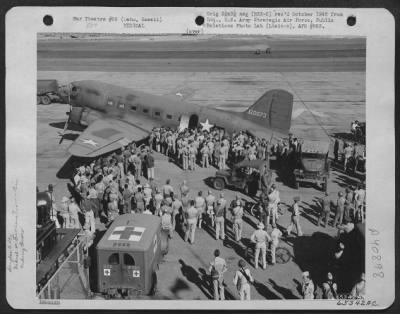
(219,184)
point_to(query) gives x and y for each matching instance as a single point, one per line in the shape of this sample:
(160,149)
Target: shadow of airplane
(71,126)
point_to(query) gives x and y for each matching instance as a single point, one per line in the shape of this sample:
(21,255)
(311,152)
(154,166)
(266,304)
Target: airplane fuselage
(93,100)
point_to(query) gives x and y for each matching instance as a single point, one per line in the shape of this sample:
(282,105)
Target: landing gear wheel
(296,184)
(219,184)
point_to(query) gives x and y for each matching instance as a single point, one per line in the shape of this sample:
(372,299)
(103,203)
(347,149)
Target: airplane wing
(106,135)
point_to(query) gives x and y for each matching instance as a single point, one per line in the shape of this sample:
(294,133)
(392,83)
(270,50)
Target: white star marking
(90,142)
(206,126)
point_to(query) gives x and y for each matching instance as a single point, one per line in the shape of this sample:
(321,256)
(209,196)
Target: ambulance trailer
(128,256)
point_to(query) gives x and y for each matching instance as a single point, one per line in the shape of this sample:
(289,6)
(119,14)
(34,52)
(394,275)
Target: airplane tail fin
(272,110)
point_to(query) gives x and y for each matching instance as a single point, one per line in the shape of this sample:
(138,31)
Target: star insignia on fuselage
(90,142)
(206,125)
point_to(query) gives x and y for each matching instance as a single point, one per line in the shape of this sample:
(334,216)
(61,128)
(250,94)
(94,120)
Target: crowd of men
(123,182)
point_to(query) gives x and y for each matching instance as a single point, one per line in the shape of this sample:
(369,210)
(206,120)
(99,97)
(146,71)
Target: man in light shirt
(242,281)
(260,238)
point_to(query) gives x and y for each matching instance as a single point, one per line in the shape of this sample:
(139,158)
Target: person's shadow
(193,276)
(285,292)
(264,291)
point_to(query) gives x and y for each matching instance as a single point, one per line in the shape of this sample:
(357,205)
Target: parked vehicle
(312,164)
(244,176)
(47,92)
(128,256)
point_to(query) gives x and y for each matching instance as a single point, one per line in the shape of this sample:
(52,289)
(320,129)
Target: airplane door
(184,123)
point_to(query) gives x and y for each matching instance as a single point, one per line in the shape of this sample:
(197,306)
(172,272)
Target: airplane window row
(110,103)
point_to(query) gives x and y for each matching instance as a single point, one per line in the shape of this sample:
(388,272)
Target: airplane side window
(121,106)
(145,110)
(110,102)
(113,259)
(169,116)
(157,113)
(133,108)
(128,260)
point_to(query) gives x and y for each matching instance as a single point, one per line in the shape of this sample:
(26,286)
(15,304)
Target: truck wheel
(219,184)
(45,100)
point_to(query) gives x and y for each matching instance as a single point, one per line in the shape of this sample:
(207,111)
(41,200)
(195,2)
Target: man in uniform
(200,204)
(260,237)
(184,188)
(295,220)
(217,269)
(220,213)
(339,209)
(210,205)
(185,156)
(150,165)
(204,156)
(192,156)
(191,217)
(242,280)
(275,236)
(307,286)
(329,288)
(166,223)
(325,209)
(176,209)
(167,188)
(237,213)
(273,201)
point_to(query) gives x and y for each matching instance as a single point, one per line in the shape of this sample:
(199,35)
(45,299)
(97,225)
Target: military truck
(47,92)
(312,164)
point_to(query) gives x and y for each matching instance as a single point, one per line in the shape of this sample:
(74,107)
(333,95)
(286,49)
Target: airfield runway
(326,77)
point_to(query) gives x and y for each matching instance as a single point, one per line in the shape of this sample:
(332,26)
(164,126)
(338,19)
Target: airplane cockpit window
(113,259)
(128,260)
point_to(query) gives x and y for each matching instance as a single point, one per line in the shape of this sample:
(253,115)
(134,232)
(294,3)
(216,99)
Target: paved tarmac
(325,101)
(203,54)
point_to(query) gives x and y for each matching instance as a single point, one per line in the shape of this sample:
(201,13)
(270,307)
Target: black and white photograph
(200,167)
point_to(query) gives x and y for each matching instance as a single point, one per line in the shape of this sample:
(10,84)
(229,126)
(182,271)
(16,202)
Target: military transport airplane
(116,116)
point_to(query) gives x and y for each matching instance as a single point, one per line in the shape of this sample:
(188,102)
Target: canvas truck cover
(315,147)
(134,232)
(46,86)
